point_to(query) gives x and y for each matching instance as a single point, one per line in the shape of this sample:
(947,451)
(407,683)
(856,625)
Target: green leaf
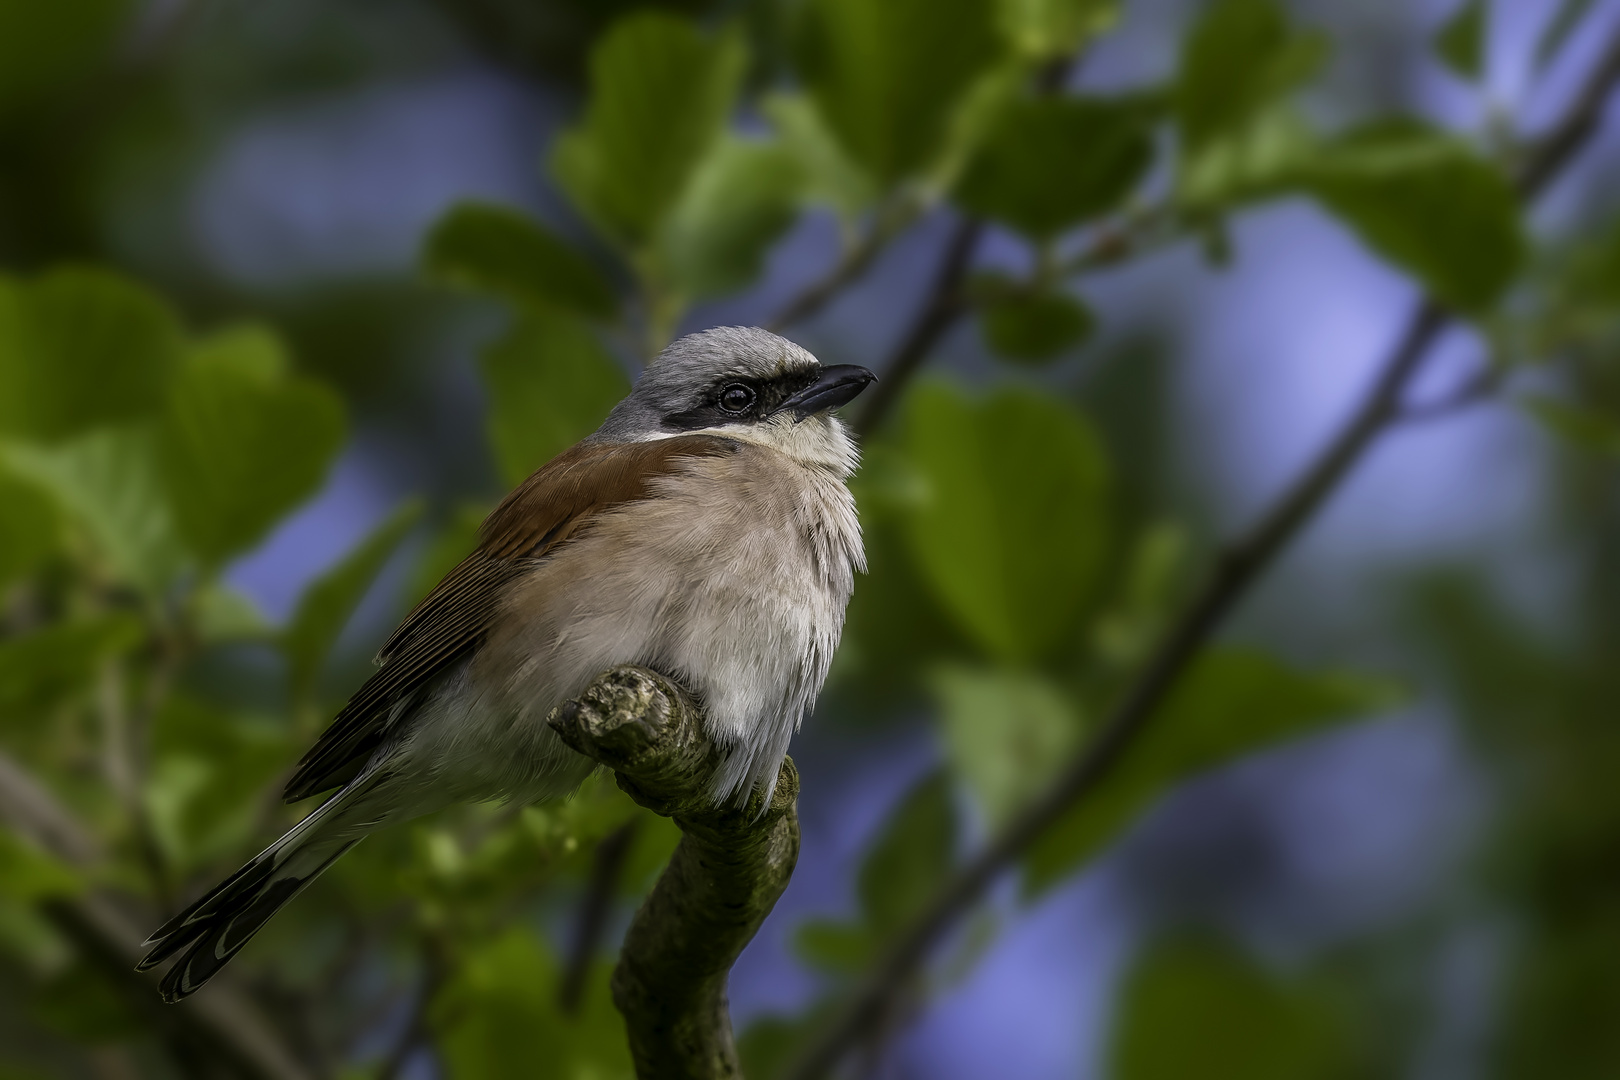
(904,867)
(330,600)
(502,250)
(82,1003)
(1049,164)
(896,628)
(1262,160)
(910,859)
(1427,203)
(660,97)
(1240,57)
(550,384)
(110,483)
(1048,29)
(831,178)
(243,442)
(28,527)
(27,873)
(174,784)
(1229,704)
(38,670)
(220,613)
(1033,327)
(204,793)
(1581,426)
(81,348)
(498,1018)
(1201,1009)
(1128,629)
(838,948)
(742,198)
(44,46)
(886,75)
(771,1044)
(1461,41)
(27,936)
(1012,529)
(1006,733)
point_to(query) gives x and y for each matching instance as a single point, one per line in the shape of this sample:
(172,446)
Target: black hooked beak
(834,386)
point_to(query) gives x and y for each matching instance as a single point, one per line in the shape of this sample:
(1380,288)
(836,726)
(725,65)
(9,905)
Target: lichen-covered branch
(725,876)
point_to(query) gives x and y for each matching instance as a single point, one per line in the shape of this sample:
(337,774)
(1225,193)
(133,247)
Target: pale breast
(733,578)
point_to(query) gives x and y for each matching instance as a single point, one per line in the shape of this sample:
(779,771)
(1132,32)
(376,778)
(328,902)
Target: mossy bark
(726,874)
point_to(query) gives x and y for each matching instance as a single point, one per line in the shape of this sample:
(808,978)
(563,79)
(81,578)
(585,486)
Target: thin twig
(1240,567)
(851,266)
(855,261)
(224,1023)
(607,866)
(1234,573)
(1139,230)
(1477,389)
(126,738)
(1549,155)
(945,301)
(417,1030)
(117,766)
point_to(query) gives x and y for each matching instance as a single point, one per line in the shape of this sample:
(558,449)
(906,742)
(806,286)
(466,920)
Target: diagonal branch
(607,865)
(947,298)
(732,864)
(224,1026)
(851,266)
(945,302)
(1244,562)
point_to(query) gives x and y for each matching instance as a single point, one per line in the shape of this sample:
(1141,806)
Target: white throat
(820,440)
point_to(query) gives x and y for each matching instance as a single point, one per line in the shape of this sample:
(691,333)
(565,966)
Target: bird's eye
(736,397)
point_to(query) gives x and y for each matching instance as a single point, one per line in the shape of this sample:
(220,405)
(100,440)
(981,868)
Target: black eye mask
(741,401)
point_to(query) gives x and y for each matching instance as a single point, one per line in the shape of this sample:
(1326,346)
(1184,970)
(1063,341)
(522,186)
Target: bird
(705,530)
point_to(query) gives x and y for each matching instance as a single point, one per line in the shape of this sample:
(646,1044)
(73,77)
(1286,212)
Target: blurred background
(291,293)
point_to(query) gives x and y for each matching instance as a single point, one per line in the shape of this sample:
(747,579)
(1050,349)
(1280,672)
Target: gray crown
(688,370)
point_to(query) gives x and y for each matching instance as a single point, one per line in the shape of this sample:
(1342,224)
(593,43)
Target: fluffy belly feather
(740,598)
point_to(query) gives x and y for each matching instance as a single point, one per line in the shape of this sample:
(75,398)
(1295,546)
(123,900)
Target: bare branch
(222,1024)
(29,809)
(945,301)
(607,865)
(1477,389)
(1235,573)
(1552,152)
(418,1029)
(1139,230)
(851,266)
(723,880)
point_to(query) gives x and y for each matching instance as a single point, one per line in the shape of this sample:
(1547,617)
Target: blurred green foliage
(1194,1008)
(1021,565)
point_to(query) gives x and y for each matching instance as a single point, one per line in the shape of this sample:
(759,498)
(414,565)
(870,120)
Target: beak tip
(836,385)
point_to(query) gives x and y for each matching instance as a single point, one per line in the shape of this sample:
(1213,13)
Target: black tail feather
(194,921)
(214,929)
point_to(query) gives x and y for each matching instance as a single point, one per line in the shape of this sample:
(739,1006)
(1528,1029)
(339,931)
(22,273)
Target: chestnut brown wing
(543,512)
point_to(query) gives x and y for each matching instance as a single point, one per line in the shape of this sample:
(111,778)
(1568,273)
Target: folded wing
(544,511)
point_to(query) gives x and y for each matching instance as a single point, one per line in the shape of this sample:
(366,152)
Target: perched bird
(704,530)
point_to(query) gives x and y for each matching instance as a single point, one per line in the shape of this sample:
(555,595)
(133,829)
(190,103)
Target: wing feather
(544,511)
